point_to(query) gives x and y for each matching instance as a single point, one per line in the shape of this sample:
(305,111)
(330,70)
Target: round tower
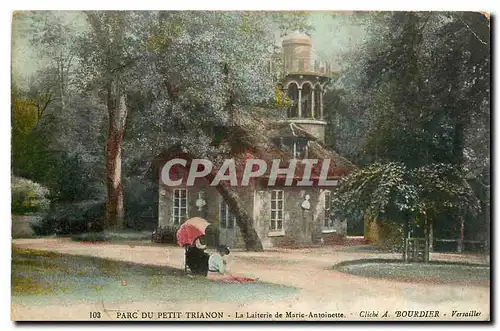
(297,50)
(304,83)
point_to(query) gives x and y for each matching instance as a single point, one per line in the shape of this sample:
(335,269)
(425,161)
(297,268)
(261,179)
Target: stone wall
(314,127)
(300,227)
(210,211)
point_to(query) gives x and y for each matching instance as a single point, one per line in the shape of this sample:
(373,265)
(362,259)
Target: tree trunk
(487,228)
(486,209)
(427,239)
(460,246)
(405,241)
(114,204)
(243,219)
(431,238)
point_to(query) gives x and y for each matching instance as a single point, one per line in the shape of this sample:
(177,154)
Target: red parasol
(190,230)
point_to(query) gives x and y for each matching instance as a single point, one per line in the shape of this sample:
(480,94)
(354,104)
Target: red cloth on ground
(238,279)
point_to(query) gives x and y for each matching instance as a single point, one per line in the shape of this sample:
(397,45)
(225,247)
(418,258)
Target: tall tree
(109,50)
(31,155)
(207,67)
(429,73)
(54,36)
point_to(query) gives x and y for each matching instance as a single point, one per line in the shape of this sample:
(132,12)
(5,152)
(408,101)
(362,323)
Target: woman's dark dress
(197,260)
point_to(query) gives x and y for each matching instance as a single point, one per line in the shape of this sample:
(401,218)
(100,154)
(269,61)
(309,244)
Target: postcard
(250,166)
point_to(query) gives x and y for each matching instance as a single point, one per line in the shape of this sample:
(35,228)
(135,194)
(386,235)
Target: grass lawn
(435,271)
(40,277)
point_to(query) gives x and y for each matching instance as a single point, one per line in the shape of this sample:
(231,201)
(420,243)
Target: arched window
(306,101)
(293,94)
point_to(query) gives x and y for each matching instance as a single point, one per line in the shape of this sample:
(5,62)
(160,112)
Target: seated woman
(196,258)
(217,267)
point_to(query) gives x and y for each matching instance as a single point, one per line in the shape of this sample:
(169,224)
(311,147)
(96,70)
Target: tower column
(285,96)
(321,104)
(299,106)
(312,103)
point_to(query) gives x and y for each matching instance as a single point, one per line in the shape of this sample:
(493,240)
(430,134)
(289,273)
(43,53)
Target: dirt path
(321,289)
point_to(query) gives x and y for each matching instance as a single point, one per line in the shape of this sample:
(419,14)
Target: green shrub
(128,236)
(28,197)
(90,237)
(211,237)
(384,234)
(72,218)
(72,179)
(111,236)
(140,204)
(143,222)
(165,234)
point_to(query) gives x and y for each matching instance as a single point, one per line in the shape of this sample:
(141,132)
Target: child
(216,264)
(217,267)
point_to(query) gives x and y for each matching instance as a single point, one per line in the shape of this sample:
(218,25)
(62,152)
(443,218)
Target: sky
(25,60)
(332,36)
(335,35)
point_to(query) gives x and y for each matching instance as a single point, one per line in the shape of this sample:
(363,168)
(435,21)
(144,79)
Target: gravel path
(322,290)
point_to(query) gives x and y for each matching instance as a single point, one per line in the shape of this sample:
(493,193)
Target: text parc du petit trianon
(253,168)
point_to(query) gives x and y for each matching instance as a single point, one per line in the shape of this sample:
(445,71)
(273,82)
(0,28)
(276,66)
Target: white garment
(199,245)
(216,263)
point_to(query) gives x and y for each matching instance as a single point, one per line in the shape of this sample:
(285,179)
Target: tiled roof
(253,137)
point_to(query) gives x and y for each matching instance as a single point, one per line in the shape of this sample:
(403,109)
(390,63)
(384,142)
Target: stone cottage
(282,215)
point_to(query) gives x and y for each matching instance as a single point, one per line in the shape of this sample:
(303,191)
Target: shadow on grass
(400,261)
(366,248)
(40,277)
(268,260)
(431,272)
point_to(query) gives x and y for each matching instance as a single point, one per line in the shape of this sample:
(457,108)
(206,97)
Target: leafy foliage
(28,197)
(196,79)
(72,218)
(391,191)
(140,203)
(165,235)
(412,100)
(429,73)
(72,180)
(111,236)
(412,104)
